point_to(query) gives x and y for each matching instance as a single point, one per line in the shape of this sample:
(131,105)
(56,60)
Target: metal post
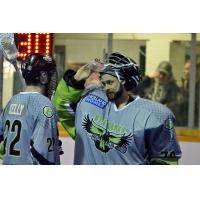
(192,80)
(1,81)
(110,43)
(104,55)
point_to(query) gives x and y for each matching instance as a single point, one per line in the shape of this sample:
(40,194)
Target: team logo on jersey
(169,123)
(95,100)
(48,112)
(105,140)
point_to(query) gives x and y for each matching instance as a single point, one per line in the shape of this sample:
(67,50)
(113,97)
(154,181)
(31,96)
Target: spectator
(165,90)
(185,92)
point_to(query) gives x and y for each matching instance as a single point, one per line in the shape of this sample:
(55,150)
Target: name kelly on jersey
(16,109)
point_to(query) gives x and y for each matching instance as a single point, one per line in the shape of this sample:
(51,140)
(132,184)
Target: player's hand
(83,73)
(96,65)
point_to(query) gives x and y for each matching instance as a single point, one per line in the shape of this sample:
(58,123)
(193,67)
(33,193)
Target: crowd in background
(162,87)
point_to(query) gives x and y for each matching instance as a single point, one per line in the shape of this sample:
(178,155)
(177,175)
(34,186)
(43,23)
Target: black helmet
(124,68)
(34,64)
(38,69)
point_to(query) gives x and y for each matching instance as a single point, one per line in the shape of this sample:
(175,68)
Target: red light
(33,42)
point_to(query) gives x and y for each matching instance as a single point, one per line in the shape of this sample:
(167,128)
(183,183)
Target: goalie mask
(124,68)
(40,69)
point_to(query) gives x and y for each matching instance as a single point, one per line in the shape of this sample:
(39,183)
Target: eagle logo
(105,140)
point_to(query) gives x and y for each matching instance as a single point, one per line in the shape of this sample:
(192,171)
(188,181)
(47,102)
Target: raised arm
(67,95)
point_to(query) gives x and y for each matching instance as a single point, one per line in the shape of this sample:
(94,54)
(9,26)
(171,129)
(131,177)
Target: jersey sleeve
(161,142)
(64,98)
(45,141)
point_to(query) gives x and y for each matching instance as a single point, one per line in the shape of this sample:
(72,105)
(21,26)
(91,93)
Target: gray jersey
(138,132)
(28,126)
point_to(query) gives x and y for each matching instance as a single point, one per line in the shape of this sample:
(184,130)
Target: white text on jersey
(16,109)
